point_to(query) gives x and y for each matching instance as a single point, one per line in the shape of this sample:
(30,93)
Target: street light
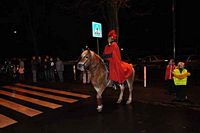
(15,32)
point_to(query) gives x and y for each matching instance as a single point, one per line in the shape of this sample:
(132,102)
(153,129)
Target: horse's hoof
(99,108)
(128,102)
(119,101)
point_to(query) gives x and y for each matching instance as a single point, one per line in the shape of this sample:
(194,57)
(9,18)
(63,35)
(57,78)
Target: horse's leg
(99,103)
(130,86)
(121,93)
(99,99)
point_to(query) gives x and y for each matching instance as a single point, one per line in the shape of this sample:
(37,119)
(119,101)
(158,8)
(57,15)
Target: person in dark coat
(34,68)
(59,69)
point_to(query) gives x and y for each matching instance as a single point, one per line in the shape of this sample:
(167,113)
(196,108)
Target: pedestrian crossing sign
(96,30)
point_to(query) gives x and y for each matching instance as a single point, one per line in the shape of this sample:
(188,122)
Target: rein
(92,67)
(95,64)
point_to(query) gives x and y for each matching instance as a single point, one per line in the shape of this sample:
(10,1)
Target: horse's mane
(98,70)
(99,58)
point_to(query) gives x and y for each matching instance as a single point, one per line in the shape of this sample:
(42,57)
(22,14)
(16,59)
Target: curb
(191,106)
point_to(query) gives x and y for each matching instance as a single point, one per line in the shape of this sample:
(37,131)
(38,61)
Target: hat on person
(112,34)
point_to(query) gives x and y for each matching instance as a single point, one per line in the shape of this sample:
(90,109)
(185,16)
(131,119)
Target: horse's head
(85,60)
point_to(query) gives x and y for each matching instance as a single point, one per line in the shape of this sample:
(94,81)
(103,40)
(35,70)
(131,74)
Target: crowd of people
(40,69)
(12,68)
(47,69)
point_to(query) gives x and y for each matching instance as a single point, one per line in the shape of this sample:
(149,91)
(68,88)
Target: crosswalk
(6,121)
(40,96)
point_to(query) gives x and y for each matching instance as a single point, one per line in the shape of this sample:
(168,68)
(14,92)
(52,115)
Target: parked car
(153,62)
(155,66)
(193,62)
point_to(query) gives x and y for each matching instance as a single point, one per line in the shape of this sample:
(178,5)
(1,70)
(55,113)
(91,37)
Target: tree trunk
(30,27)
(113,21)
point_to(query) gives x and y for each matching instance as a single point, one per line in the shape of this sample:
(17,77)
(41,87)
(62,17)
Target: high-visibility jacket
(180,78)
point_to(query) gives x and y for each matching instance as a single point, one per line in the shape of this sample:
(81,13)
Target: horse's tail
(133,72)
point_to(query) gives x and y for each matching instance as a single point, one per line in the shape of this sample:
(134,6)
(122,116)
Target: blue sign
(96,30)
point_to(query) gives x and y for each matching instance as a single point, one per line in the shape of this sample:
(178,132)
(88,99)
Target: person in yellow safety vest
(180,75)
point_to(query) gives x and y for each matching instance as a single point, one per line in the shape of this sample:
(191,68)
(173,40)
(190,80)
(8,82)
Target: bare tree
(113,7)
(109,9)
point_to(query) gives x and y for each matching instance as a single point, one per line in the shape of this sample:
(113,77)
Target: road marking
(54,91)
(6,121)
(19,108)
(24,89)
(32,100)
(58,98)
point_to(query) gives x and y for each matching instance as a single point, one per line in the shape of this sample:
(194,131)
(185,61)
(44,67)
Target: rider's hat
(112,34)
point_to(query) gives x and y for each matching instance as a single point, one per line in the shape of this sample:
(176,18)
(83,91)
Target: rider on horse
(119,70)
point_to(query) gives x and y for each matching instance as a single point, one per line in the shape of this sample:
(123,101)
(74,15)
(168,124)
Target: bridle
(88,58)
(92,66)
(83,64)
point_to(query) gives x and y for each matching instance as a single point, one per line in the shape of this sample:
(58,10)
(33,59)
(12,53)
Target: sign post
(97,32)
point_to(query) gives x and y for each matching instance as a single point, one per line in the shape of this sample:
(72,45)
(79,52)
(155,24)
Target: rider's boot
(114,86)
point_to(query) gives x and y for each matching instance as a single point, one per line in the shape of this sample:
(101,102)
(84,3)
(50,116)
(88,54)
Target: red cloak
(119,70)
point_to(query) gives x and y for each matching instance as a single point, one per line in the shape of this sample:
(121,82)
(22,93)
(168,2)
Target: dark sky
(145,28)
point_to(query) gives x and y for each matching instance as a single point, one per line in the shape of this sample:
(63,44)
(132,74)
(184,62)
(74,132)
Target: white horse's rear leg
(130,86)
(130,94)
(121,93)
